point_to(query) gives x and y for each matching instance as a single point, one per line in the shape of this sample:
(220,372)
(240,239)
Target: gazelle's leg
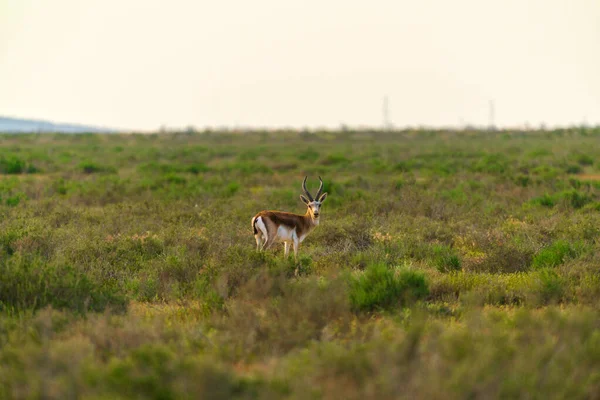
(296,245)
(258,240)
(268,243)
(286,249)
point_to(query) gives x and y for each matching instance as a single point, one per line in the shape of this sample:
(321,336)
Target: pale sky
(138,64)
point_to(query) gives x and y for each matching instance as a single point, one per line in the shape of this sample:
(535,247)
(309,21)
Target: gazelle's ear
(322,198)
(304,200)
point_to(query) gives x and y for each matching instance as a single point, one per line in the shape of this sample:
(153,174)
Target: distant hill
(18,125)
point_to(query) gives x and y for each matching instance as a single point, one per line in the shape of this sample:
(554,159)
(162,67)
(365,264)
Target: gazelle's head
(313,204)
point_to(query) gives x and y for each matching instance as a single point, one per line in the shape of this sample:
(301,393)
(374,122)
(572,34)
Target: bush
(584,159)
(499,252)
(545,200)
(174,179)
(336,159)
(197,169)
(554,255)
(492,164)
(573,169)
(522,180)
(273,315)
(231,189)
(490,356)
(575,198)
(445,260)
(30,284)
(238,264)
(551,286)
(13,201)
(309,154)
(570,198)
(380,288)
(13,165)
(89,167)
(154,371)
(348,235)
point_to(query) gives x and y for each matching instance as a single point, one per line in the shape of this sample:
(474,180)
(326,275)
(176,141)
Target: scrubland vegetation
(446,265)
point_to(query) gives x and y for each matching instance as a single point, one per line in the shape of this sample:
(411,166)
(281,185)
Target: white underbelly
(286,234)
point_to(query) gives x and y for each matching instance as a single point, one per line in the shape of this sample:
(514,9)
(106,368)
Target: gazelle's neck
(313,221)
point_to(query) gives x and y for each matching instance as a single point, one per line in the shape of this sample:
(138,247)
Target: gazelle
(291,229)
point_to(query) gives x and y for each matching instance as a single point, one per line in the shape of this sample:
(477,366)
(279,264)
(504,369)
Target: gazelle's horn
(320,191)
(306,192)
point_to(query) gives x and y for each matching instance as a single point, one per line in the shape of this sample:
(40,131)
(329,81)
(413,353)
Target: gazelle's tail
(254,225)
(258,224)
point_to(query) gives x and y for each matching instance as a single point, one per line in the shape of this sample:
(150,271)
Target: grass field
(446,265)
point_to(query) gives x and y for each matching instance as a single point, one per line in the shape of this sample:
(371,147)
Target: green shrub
(272,314)
(89,167)
(237,265)
(248,168)
(12,165)
(482,288)
(456,195)
(576,183)
(522,180)
(155,371)
(231,189)
(569,198)
(490,355)
(500,252)
(8,238)
(309,154)
(174,179)
(445,260)
(554,255)
(539,153)
(492,164)
(31,284)
(197,168)
(211,301)
(546,173)
(403,166)
(551,286)
(159,168)
(14,200)
(575,198)
(336,159)
(380,288)
(545,200)
(573,169)
(584,159)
